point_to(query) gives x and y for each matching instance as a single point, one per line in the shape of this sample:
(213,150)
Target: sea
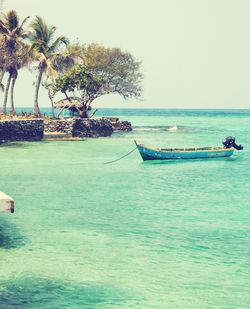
(129,234)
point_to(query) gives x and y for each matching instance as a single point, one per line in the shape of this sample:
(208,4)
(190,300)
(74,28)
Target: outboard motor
(230,142)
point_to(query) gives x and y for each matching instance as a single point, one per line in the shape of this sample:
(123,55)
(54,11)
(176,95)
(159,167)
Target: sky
(194,53)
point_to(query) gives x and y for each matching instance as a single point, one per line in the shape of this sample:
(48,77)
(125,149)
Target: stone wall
(78,127)
(119,125)
(91,128)
(21,130)
(59,125)
(32,129)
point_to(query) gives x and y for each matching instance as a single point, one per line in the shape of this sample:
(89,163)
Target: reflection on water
(34,292)
(10,235)
(188,161)
(14,144)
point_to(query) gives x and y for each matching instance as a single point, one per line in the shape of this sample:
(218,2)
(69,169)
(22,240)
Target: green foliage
(12,30)
(119,70)
(77,78)
(45,50)
(104,71)
(42,38)
(14,52)
(93,70)
(9,21)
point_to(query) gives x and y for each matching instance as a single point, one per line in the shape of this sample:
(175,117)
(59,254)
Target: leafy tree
(78,78)
(105,70)
(15,51)
(118,70)
(46,49)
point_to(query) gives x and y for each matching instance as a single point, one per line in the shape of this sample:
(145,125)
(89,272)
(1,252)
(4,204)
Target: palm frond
(42,35)
(24,21)
(40,57)
(51,72)
(39,27)
(11,29)
(19,30)
(60,41)
(12,20)
(50,35)
(3,28)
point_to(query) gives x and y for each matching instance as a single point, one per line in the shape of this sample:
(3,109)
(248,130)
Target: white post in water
(6,203)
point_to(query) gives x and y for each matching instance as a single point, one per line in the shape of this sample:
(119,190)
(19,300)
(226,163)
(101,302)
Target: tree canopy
(104,71)
(46,49)
(15,52)
(91,70)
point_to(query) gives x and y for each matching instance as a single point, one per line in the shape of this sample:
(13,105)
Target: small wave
(166,128)
(173,129)
(147,129)
(157,128)
(152,128)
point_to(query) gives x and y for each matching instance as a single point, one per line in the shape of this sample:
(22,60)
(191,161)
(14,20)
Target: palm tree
(64,60)
(22,58)
(12,39)
(2,61)
(46,49)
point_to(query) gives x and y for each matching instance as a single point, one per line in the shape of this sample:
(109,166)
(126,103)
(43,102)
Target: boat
(227,150)
(6,203)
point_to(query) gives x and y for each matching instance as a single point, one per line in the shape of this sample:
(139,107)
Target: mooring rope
(121,157)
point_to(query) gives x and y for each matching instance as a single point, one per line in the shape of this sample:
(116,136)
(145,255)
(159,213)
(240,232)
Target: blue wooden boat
(149,153)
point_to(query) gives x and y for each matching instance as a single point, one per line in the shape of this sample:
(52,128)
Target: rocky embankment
(77,127)
(36,129)
(91,128)
(118,125)
(21,130)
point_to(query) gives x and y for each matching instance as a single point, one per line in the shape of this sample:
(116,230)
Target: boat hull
(160,154)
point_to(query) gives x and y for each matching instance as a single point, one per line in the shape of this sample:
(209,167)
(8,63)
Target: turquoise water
(128,234)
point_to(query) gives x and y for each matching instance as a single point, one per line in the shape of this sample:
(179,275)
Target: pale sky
(194,53)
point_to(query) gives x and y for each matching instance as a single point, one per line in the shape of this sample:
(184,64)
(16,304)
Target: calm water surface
(128,234)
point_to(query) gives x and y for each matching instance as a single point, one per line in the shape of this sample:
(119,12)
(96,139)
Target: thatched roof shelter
(71,104)
(74,105)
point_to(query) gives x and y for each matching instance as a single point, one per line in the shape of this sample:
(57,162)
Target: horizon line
(179,108)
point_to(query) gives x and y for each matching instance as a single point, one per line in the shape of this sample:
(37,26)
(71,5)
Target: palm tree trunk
(52,107)
(1,75)
(12,108)
(51,97)
(38,83)
(6,92)
(2,72)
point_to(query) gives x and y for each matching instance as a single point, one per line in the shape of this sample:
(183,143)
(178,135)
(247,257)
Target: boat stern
(6,203)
